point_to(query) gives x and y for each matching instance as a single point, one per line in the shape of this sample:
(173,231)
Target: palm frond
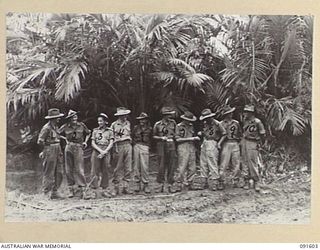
(295,122)
(69,81)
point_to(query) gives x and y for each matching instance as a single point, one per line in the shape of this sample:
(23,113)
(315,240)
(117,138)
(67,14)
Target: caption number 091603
(309,246)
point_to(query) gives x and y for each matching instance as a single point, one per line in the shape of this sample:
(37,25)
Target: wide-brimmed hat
(188,116)
(248,108)
(206,113)
(103,115)
(143,115)
(228,110)
(71,113)
(53,113)
(122,111)
(167,111)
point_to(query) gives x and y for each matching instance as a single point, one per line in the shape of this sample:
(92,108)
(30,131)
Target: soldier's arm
(93,143)
(262,131)
(173,137)
(109,147)
(87,133)
(155,136)
(42,136)
(111,143)
(185,139)
(223,133)
(96,147)
(134,134)
(239,130)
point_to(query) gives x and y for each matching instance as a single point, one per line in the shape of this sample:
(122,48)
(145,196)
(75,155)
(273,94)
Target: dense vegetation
(97,62)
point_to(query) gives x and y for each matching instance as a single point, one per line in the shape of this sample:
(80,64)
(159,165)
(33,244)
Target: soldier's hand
(84,144)
(219,146)
(41,155)
(164,138)
(196,138)
(100,156)
(199,134)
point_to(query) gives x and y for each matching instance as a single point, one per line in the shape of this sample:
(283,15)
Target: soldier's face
(74,118)
(207,121)
(55,121)
(247,115)
(143,122)
(101,122)
(123,118)
(166,117)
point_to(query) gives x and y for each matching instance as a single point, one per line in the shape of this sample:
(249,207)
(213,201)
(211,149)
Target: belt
(74,143)
(253,140)
(232,140)
(53,143)
(123,142)
(210,140)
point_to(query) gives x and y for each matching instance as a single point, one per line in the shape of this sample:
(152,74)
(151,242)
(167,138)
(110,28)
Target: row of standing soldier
(222,139)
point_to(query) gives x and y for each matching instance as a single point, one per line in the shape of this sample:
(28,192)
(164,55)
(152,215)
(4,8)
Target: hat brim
(124,112)
(48,117)
(103,116)
(229,111)
(69,116)
(141,117)
(206,116)
(168,113)
(248,110)
(188,119)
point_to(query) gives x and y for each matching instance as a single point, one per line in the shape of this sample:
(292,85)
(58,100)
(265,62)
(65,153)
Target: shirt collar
(122,123)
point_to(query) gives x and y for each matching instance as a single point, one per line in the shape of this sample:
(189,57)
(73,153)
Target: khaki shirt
(74,132)
(213,131)
(121,130)
(252,129)
(102,137)
(48,135)
(162,128)
(142,135)
(232,128)
(185,130)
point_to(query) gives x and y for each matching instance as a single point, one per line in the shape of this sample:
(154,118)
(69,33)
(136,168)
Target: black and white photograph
(158,118)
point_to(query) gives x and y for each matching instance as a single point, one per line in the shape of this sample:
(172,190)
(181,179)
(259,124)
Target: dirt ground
(284,199)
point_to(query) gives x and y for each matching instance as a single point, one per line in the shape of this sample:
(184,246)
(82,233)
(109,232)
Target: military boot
(213,184)
(106,193)
(112,190)
(70,192)
(146,188)
(86,194)
(251,184)
(246,185)
(137,187)
(126,188)
(220,185)
(235,183)
(55,195)
(160,188)
(257,186)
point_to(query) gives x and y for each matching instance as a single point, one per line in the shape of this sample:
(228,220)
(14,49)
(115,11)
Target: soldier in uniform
(102,142)
(253,135)
(52,157)
(213,134)
(75,132)
(164,134)
(123,150)
(185,137)
(141,136)
(230,152)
